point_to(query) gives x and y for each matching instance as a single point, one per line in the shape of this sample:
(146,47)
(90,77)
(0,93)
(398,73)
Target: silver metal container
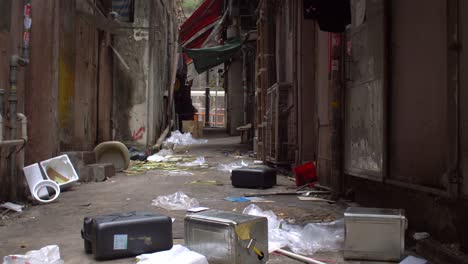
(227,237)
(374,234)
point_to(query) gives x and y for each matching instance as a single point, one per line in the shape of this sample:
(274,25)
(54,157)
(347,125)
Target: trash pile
(305,240)
(232,166)
(176,201)
(45,255)
(183,139)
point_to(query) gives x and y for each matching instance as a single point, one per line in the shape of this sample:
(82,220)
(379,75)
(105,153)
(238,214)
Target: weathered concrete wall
(131,85)
(235,97)
(138,116)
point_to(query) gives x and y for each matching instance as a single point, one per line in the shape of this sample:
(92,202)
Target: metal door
(364,142)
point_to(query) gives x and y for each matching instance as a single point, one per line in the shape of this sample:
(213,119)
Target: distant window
(125,10)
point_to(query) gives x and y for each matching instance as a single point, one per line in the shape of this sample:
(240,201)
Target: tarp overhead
(207,58)
(201,23)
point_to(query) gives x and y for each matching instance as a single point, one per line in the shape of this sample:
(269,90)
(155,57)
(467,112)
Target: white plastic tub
(60,170)
(33,176)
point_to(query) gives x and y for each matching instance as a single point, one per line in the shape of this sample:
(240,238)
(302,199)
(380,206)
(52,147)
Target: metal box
(374,234)
(227,237)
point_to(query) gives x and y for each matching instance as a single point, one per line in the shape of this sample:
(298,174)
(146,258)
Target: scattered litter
(305,240)
(11,206)
(298,257)
(231,166)
(413,260)
(46,255)
(314,199)
(162,155)
(200,161)
(237,199)
(135,154)
(205,182)
(44,185)
(177,255)
(305,174)
(184,139)
(61,170)
(197,209)
(421,236)
(259,200)
(176,201)
(258,162)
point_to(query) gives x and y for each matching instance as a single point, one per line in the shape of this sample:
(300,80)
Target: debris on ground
(183,139)
(176,201)
(197,209)
(231,166)
(421,236)
(237,199)
(205,182)
(305,240)
(168,162)
(413,260)
(11,206)
(46,255)
(247,199)
(177,255)
(199,162)
(298,257)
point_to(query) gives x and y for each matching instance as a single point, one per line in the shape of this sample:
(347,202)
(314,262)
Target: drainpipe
(244,81)
(15,62)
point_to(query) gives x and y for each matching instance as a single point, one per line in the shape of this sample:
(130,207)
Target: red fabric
(206,14)
(305,173)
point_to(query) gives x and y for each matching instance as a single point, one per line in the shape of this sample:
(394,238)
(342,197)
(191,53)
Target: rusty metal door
(364,142)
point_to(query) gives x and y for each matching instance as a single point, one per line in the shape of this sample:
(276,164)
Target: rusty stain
(66,90)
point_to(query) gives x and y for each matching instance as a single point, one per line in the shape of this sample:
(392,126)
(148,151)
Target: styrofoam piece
(64,167)
(43,185)
(33,175)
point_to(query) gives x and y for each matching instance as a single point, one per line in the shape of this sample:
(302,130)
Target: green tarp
(207,58)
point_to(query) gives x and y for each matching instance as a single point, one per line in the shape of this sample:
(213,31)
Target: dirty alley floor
(60,223)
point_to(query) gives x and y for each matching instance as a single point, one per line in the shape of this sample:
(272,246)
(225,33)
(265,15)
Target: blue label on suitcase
(120,242)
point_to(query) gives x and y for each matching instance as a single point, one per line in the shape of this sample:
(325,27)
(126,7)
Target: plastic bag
(231,166)
(162,156)
(301,240)
(45,255)
(176,201)
(184,139)
(177,255)
(200,161)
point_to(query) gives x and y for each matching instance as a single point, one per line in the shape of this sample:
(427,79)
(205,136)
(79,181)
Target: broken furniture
(113,152)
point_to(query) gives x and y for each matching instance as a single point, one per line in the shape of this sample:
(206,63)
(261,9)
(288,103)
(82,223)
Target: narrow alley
(60,223)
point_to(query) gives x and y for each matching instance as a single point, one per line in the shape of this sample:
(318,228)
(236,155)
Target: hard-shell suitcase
(228,237)
(126,234)
(262,177)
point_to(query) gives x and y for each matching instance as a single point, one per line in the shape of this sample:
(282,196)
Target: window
(124,9)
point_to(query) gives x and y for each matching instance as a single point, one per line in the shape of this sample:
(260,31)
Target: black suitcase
(263,177)
(126,235)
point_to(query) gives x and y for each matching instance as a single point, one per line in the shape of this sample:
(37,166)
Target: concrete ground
(60,223)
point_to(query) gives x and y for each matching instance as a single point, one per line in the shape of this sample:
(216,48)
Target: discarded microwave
(374,234)
(227,237)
